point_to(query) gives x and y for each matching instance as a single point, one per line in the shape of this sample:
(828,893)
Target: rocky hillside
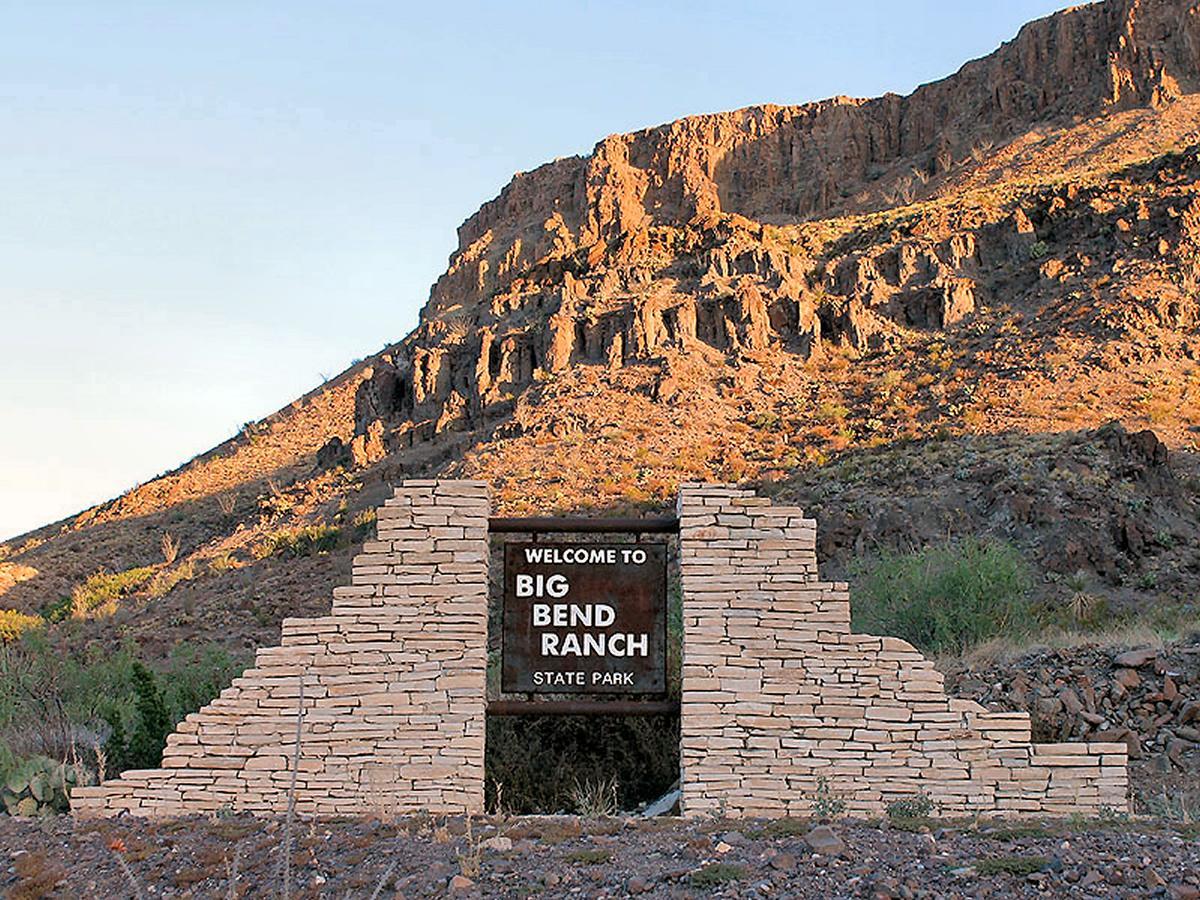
(915,314)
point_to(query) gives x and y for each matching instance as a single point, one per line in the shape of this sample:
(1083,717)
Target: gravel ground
(568,857)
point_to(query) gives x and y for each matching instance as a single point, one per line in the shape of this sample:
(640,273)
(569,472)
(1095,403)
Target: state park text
(582,618)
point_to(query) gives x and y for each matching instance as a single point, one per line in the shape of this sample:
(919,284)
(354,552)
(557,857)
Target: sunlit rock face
(705,232)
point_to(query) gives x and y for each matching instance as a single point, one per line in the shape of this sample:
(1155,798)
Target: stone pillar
(782,706)
(394,688)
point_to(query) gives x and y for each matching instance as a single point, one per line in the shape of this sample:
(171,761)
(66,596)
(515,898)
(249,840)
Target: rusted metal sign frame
(567,525)
(573,525)
(637,592)
(583,708)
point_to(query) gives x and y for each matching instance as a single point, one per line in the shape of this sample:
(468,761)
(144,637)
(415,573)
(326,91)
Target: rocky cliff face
(783,163)
(693,232)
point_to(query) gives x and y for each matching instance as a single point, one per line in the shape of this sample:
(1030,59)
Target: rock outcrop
(684,234)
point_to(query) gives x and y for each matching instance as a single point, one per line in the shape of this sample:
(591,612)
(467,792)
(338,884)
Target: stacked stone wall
(393,688)
(782,704)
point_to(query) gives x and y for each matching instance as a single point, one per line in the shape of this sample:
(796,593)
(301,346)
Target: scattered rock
(784,862)
(824,840)
(1134,659)
(1127,678)
(638,885)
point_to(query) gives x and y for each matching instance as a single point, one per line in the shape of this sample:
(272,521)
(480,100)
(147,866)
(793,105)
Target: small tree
(116,748)
(149,737)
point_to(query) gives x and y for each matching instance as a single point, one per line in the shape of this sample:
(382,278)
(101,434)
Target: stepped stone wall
(781,702)
(394,688)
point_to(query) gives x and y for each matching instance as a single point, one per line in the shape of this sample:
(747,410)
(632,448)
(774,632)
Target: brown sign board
(585,618)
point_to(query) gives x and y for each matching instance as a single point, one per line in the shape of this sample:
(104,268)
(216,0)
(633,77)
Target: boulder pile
(1147,697)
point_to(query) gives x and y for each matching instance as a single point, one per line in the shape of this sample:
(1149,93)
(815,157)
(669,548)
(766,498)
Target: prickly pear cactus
(40,786)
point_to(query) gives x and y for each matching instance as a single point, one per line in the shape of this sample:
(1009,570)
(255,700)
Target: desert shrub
(166,579)
(1019,866)
(61,705)
(918,806)
(539,762)
(38,876)
(363,524)
(309,540)
(14,623)
(827,804)
(151,724)
(716,874)
(57,610)
(194,674)
(947,598)
(104,588)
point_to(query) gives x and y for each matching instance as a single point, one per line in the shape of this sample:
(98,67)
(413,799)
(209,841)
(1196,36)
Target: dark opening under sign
(585,618)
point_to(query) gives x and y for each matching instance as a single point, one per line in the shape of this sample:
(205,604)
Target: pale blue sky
(206,206)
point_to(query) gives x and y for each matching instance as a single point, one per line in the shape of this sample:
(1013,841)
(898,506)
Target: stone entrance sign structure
(780,702)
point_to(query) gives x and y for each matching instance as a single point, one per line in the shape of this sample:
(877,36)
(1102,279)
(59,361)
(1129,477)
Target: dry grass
(470,855)
(169,547)
(595,799)
(38,876)
(1133,634)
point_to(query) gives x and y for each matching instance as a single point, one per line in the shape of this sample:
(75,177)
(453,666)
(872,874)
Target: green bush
(826,804)
(918,806)
(716,874)
(945,599)
(1019,866)
(54,611)
(151,725)
(312,540)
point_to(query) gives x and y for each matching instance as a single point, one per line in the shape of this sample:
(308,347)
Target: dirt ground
(240,856)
